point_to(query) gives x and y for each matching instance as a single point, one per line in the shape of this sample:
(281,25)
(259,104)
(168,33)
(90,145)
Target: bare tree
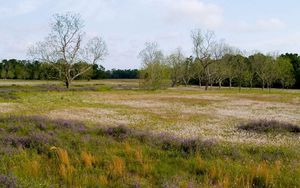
(63,47)
(207,50)
(218,68)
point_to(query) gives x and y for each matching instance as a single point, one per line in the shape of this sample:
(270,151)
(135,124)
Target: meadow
(110,133)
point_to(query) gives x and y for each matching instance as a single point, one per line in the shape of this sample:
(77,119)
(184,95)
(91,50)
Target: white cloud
(193,11)
(20,8)
(127,24)
(261,25)
(270,24)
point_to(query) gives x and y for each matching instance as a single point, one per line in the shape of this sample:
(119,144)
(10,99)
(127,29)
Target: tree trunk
(199,82)
(230,83)
(282,84)
(220,84)
(174,83)
(67,83)
(185,82)
(207,78)
(263,85)
(206,85)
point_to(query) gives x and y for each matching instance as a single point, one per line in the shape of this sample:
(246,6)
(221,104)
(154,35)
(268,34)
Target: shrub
(70,124)
(8,181)
(188,146)
(37,141)
(120,132)
(272,126)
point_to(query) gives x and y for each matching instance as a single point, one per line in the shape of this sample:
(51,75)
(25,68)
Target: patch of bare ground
(6,107)
(254,110)
(191,115)
(200,96)
(235,136)
(219,131)
(96,115)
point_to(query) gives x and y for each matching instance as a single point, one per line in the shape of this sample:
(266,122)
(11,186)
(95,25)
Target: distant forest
(35,70)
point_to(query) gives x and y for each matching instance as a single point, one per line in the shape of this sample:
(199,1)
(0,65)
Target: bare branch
(62,48)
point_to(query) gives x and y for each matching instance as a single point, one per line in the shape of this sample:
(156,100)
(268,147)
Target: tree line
(216,63)
(36,70)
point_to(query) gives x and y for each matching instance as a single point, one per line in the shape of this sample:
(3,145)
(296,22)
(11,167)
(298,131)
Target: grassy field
(109,133)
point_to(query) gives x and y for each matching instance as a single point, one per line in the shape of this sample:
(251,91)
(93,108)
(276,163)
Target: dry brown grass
(87,159)
(65,169)
(117,167)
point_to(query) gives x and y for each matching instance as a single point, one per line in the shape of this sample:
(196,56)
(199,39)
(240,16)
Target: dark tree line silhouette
(35,70)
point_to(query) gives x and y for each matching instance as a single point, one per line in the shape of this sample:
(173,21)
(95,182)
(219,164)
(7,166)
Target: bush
(8,181)
(120,132)
(266,126)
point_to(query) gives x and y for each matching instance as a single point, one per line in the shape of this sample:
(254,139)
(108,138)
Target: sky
(268,26)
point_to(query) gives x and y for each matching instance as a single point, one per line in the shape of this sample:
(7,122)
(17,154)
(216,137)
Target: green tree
(154,71)
(175,63)
(187,70)
(271,75)
(197,70)
(8,71)
(240,69)
(217,72)
(295,61)
(284,71)
(263,66)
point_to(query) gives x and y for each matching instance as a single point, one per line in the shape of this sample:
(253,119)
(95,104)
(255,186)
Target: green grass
(90,157)
(202,147)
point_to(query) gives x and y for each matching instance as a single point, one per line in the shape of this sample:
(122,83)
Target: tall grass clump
(65,169)
(87,159)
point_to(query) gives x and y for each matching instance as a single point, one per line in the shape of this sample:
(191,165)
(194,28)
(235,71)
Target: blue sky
(256,25)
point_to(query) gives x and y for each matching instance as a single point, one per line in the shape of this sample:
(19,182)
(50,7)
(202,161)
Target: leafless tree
(203,46)
(63,47)
(207,51)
